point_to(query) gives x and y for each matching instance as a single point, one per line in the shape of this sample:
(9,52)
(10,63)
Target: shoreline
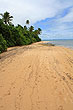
(41,42)
(12,51)
(61,45)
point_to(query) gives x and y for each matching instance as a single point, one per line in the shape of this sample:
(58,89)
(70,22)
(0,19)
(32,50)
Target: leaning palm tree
(6,18)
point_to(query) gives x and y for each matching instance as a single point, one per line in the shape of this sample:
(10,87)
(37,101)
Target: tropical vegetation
(11,35)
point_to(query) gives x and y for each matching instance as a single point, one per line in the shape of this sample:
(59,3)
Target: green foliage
(6,18)
(39,30)
(25,28)
(3,44)
(31,28)
(16,36)
(27,21)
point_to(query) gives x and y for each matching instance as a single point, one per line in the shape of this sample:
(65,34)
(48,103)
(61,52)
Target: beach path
(36,77)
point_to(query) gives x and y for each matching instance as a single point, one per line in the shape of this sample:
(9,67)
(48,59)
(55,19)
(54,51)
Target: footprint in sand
(60,108)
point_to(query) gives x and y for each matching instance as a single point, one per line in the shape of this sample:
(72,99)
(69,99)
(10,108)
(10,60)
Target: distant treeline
(11,35)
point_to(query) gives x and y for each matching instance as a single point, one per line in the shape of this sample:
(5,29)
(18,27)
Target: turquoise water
(65,43)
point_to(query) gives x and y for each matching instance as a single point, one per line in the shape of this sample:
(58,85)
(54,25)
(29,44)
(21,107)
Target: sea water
(66,43)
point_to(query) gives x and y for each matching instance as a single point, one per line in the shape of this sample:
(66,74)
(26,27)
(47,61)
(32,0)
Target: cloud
(55,17)
(68,17)
(35,10)
(58,27)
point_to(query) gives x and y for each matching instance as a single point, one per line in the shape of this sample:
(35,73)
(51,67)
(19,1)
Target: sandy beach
(36,77)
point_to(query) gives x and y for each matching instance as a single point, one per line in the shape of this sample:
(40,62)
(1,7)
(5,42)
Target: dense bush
(3,44)
(16,36)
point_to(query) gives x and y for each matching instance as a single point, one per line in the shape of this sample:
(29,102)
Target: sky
(54,17)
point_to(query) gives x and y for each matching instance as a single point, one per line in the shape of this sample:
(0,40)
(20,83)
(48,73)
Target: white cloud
(68,17)
(35,10)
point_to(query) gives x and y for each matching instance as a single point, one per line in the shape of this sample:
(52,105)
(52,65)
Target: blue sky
(58,27)
(54,17)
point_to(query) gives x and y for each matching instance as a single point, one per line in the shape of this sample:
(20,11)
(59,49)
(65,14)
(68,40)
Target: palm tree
(6,18)
(27,22)
(31,28)
(39,30)
(25,28)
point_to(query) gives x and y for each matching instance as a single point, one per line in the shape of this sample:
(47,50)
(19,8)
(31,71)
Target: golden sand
(36,77)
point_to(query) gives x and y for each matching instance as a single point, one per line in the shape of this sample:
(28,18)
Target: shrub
(3,44)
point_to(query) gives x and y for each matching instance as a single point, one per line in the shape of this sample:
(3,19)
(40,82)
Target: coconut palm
(31,28)
(27,22)
(6,18)
(25,28)
(39,30)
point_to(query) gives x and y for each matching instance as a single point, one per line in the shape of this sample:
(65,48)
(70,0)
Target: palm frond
(1,14)
(11,17)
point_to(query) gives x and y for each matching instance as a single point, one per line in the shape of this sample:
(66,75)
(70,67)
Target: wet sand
(36,77)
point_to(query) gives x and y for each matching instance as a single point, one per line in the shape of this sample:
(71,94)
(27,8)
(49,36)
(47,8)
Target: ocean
(65,43)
